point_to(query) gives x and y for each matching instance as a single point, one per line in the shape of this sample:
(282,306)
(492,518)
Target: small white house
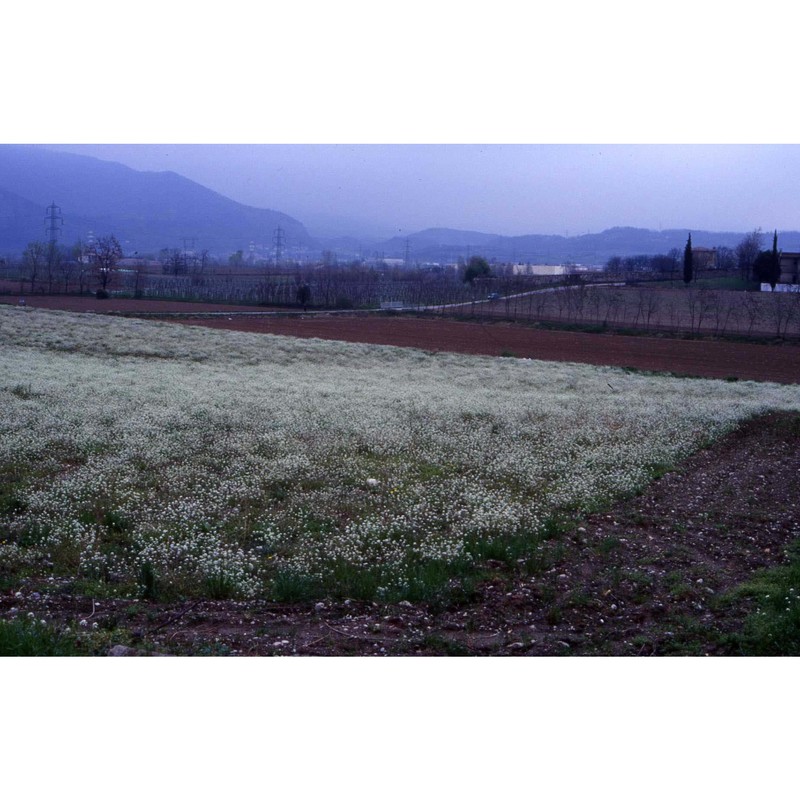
(538,269)
(781,287)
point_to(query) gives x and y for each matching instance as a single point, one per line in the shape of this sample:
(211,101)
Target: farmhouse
(790,268)
(704,257)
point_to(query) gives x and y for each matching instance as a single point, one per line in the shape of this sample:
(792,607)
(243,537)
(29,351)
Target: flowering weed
(182,461)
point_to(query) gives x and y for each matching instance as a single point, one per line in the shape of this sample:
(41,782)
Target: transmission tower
(408,253)
(53,222)
(279,244)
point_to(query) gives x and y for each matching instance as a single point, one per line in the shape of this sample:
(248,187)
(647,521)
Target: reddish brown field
(702,358)
(779,362)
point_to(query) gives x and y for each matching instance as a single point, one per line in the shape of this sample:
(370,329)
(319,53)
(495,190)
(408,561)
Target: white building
(538,269)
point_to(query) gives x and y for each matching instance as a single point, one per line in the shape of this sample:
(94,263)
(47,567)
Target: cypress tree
(775,263)
(688,271)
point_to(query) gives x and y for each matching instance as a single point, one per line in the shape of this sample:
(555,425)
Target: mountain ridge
(151,210)
(448,244)
(146,211)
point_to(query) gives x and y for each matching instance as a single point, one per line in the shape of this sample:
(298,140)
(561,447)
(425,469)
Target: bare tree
(614,303)
(699,303)
(649,303)
(753,311)
(562,301)
(673,311)
(173,261)
(595,303)
(746,252)
(55,258)
(726,259)
(782,310)
(693,307)
(675,256)
(577,295)
(202,262)
(34,260)
(139,275)
(541,300)
(104,255)
(67,269)
(708,297)
(734,312)
(721,309)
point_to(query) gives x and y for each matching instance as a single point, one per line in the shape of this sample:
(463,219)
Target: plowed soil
(699,358)
(711,358)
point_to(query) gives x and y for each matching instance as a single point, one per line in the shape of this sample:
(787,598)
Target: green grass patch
(289,587)
(773,628)
(30,638)
(219,587)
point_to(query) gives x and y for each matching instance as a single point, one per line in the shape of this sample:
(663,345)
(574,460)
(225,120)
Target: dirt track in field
(701,358)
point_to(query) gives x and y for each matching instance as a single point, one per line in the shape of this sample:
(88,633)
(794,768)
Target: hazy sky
(507,189)
(437,72)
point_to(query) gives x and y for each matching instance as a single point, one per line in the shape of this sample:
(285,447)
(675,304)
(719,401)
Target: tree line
(94,266)
(748,258)
(85,266)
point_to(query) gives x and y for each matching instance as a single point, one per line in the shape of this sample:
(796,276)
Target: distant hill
(146,211)
(447,245)
(22,221)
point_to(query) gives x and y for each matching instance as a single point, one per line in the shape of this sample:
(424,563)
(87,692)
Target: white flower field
(145,457)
